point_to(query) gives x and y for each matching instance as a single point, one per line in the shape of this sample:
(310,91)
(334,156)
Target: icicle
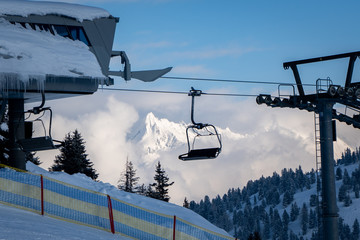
(20,83)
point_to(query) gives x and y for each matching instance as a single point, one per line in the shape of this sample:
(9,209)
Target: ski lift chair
(201,130)
(45,142)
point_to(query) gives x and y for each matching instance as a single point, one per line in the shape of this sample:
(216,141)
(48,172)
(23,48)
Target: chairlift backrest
(44,142)
(203,153)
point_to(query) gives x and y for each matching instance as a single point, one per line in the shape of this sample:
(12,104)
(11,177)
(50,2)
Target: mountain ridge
(160,134)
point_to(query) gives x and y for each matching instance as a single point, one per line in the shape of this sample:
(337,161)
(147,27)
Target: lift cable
(176,92)
(233,81)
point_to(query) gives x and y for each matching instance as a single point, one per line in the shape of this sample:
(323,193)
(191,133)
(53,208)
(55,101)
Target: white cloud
(274,139)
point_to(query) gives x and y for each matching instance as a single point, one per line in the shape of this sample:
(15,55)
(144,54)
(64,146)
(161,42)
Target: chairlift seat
(200,154)
(37,144)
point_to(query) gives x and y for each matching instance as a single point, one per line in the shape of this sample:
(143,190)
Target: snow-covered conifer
(73,157)
(162,183)
(128,178)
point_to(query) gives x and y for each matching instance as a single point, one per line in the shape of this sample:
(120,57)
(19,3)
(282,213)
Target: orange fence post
(42,194)
(111,217)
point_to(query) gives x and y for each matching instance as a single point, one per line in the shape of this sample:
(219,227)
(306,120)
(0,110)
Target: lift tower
(322,103)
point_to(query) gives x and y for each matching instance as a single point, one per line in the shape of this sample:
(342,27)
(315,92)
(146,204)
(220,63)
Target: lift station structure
(53,50)
(322,103)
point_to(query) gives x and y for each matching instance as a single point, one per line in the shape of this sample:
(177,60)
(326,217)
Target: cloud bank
(271,139)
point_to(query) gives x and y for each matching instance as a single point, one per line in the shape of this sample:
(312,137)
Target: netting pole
(111,217)
(42,194)
(174,229)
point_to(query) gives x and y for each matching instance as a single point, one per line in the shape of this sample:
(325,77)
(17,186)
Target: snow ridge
(162,135)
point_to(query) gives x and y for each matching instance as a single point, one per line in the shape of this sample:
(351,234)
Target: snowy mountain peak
(162,135)
(150,118)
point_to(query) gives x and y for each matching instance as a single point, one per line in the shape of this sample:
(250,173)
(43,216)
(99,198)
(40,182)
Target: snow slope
(83,181)
(349,214)
(18,224)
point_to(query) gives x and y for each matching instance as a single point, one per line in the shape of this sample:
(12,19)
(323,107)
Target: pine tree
(29,156)
(288,198)
(186,203)
(356,230)
(342,193)
(313,200)
(128,179)
(293,236)
(312,219)
(338,173)
(161,184)
(347,200)
(300,178)
(312,176)
(346,178)
(73,157)
(254,236)
(357,190)
(150,192)
(285,221)
(346,158)
(304,219)
(4,139)
(341,226)
(205,208)
(141,190)
(345,232)
(294,212)
(277,225)
(266,231)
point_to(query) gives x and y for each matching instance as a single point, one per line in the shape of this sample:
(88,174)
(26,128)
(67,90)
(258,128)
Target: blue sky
(240,40)
(245,40)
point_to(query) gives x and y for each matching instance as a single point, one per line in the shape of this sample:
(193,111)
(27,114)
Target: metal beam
(319,59)
(298,80)
(16,132)
(350,71)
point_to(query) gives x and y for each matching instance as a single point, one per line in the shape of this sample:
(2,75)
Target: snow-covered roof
(26,8)
(26,53)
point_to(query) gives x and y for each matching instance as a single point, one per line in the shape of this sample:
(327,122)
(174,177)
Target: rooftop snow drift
(27,8)
(56,47)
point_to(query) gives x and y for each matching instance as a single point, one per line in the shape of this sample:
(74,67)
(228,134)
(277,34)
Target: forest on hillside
(274,208)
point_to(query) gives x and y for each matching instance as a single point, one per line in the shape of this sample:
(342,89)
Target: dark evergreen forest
(267,207)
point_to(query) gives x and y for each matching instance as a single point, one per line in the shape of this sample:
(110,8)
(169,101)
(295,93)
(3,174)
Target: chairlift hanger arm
(39,109)
(193,93)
